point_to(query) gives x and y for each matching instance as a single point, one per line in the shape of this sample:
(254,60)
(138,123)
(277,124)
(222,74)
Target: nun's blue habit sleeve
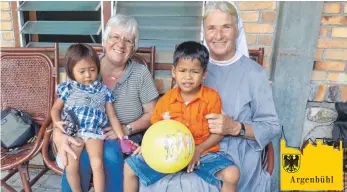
(264,117)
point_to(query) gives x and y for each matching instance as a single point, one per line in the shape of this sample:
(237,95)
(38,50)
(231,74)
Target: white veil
(241,42)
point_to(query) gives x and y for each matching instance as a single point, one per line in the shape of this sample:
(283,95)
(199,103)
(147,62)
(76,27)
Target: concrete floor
(49,182)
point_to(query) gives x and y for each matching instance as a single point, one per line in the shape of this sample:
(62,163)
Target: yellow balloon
(168,146)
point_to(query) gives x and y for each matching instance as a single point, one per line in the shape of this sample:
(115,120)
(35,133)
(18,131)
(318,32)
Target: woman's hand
(66,148)
(109,133)
(195,159)
(223,125)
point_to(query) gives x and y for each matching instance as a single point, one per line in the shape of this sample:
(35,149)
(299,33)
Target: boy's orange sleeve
(216,106)
(157,114)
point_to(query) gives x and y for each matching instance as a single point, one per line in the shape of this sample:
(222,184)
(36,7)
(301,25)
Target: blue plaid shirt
(88,104)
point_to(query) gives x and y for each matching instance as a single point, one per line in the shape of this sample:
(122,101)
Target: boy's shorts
(210,164)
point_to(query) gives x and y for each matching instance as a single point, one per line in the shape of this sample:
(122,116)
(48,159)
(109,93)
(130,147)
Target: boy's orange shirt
(192,115)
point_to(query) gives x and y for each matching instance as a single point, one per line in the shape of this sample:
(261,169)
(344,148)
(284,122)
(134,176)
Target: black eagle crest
(291,163)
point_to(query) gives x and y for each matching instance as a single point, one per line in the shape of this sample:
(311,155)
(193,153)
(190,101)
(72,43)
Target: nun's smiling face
(220,34)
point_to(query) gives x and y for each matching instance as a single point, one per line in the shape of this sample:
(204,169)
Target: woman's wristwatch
(242,130)
(129,128)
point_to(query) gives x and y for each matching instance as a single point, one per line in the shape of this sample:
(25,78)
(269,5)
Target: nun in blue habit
(249,120)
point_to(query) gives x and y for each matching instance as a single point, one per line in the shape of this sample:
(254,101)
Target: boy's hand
(195,159)
(127,146)
(138,151)
(60,125)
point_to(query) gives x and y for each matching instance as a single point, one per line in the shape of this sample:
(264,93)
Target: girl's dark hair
(77,52)
(192,50)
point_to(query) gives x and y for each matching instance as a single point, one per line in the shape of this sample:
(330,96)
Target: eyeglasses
(117,39)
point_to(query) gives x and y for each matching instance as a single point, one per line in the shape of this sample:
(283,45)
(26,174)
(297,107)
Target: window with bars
(164,24)
(66,22)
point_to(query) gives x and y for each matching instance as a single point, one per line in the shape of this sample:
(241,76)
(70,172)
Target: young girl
(83,108)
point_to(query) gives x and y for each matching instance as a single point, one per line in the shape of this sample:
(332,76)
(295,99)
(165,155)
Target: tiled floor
(50,182)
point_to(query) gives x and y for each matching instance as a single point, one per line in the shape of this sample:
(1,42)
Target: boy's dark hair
(77,52)
(191,50)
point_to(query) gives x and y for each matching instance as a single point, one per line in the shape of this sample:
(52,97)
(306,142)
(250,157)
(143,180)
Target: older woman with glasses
(135,93)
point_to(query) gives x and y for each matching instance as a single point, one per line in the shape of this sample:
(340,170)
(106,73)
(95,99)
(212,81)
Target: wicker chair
(140,59)
(51,164)
(27,83)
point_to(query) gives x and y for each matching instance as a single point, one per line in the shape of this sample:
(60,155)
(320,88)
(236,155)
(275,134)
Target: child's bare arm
(126,145)
(56,110)
(115,124)
(212,140)
(56,114)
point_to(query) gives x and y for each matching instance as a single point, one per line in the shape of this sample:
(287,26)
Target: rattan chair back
(27,83)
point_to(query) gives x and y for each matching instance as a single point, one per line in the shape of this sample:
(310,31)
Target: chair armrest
(45,151)
(26,152)
(270,158)
(43,127)
(37,143)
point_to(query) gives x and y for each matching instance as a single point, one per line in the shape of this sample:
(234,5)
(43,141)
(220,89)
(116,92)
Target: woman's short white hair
(224,6)
(128,23)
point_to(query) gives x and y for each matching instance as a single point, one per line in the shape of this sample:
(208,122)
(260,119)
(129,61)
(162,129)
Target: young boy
(188,104)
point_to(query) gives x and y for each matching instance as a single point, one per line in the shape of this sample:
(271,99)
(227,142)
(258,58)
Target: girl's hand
(127,145)
(60,125)
(110,134)
(195,159)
